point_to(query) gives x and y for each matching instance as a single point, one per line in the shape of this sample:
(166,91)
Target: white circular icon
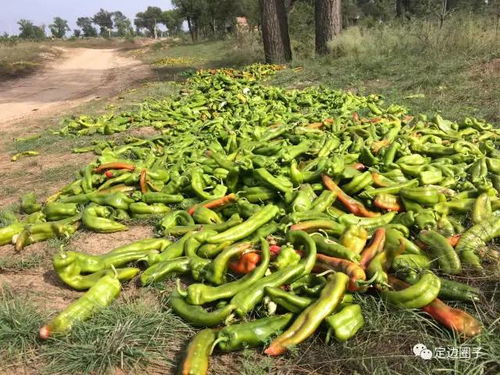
(417,349)
(426,354)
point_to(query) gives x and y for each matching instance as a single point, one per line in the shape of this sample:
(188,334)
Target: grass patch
(202,55)
(20,321)
(454,69)
(23,58)
(126,336)
(25,262)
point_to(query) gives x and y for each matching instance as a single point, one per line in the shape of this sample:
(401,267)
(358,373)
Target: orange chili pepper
(352,205)
(353,270)
(453,240)
(247,263)
(114,165)
(375,247)
(214,203)
(142,181)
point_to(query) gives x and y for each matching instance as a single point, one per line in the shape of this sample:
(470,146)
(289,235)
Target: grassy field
(454,71)
(20,59)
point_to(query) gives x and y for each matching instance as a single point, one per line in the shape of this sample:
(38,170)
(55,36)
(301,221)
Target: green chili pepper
(216,271)
(286,257)
(159,197)
(197,315)
(141,209)
(418,295)
(57,211)
(164,269)
(346,323)
(243,230)
(287,300)
(95,218)
(441,251)
(358,183)
(198,294)
(29,204)
(453,290)
(251,334)
(310,319)
(475,238)
(203,215)
(482,209)
(99,296)
(198,353)
(334,249)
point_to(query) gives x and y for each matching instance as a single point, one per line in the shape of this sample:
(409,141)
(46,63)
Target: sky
(44,11)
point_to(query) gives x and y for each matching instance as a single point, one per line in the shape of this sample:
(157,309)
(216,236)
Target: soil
(80,75)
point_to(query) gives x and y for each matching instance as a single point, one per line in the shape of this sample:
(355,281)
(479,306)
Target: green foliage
(126,336)
(104,20)
(172,19)
(149,19)
(59,27)
(122,24)
(19,324)
(85,23)
(29,31)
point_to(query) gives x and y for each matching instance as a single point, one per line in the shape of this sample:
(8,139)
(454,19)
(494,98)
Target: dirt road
(81,74)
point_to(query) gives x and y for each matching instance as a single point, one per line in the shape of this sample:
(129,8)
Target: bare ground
(81,74)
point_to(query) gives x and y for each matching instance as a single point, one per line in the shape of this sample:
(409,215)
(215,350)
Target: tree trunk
(275,31)
(328,20)
(399,8)
(190,28)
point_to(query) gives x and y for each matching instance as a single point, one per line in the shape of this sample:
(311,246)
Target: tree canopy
(59,27)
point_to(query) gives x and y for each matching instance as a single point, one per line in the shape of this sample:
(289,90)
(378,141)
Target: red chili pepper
(275,249)
(375,247)
(453,240)
(214,203)
(142,181)
(114,165)
(352,205)
(454,319)
(108,174)
(247,263)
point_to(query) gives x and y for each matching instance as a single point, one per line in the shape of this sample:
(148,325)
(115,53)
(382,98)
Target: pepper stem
(219,339)
(178,286)
(325,272)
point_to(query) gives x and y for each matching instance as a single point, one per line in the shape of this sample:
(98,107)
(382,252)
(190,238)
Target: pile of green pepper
(336,193)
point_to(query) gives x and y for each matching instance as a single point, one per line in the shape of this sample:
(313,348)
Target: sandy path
(80,75)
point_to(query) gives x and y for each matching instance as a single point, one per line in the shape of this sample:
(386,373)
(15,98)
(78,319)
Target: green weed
(126,336)
(25,262)
(19,324)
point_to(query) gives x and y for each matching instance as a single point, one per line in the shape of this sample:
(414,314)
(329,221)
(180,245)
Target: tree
(122,24)
(29,31)
(192,11)
(77,33)
(59,27)
(328,23)
(275,31)
(172,19)
(104,21)
(85,23)
(149,19)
